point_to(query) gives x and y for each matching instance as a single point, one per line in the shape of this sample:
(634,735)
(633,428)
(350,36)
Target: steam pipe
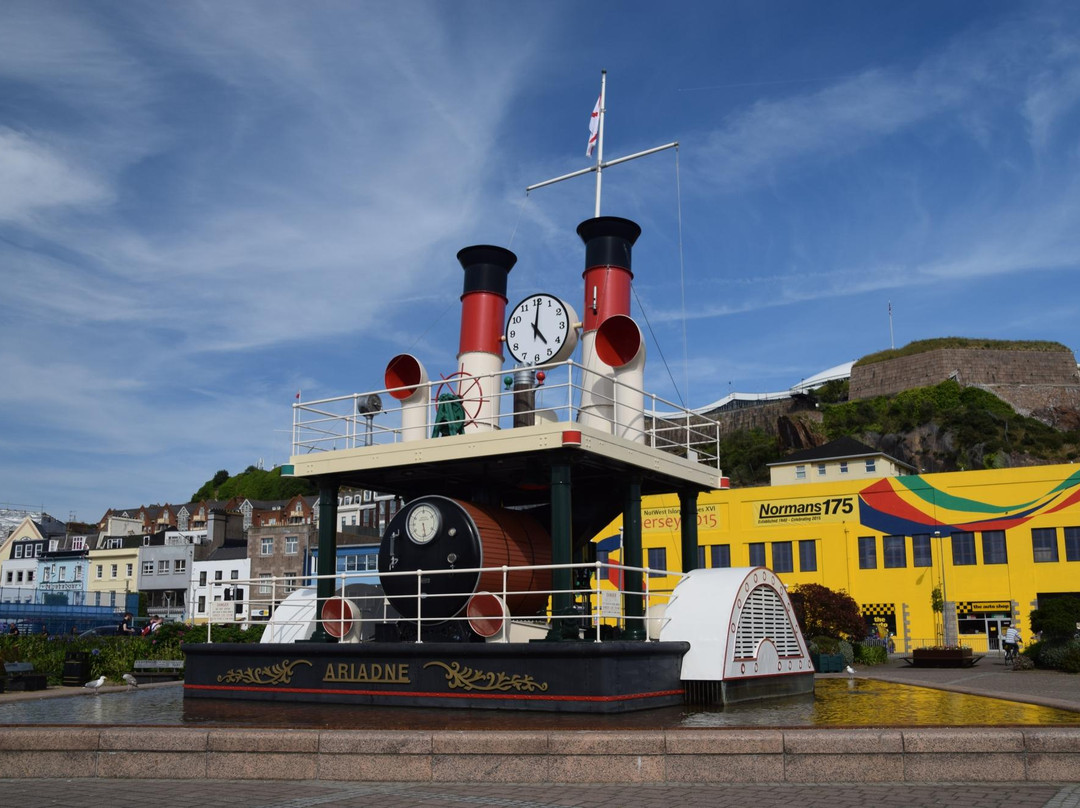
(608,246)
(483,315)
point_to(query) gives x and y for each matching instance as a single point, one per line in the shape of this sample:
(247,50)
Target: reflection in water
(836,703)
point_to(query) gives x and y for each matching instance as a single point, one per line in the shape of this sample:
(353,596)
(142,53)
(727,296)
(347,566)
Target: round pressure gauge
(423,523)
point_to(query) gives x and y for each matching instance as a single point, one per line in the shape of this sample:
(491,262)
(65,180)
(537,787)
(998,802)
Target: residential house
(836,461)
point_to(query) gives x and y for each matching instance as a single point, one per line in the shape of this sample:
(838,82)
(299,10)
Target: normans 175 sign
(813,510)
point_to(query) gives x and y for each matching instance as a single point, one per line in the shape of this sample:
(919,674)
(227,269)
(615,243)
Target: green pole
(327,562)
(633,601)
(688,529)
(561,552)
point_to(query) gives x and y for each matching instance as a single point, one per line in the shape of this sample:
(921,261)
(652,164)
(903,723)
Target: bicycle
(1012,652)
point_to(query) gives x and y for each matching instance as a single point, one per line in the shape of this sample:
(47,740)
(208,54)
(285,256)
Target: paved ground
(224,794)
(989,677)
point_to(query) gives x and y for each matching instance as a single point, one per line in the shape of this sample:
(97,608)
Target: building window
(867,552)
(78,573)
(807,555)
(18,550)
(179,566)
(202,578)
(130,569)
(78,543)
(757,553)
(234,575)
(292,545)
(163,566)
(30,576)
(44,574)
(264,583)
(1072,544)
(10,578)
(100,571)
(871,466)
(202,604)
(781,557)
(963,549)
(148,568)
(994,549)
(217,575)
(720,555)
(921,556)
(700,557)
(657,562)
(821,469)
(266,546)
(800,472)
(62,574)
(893,551)
(54,545)
(843,467)
(1044,544)
(114,569)
(290,582)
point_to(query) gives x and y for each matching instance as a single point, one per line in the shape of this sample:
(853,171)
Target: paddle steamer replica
(490,592)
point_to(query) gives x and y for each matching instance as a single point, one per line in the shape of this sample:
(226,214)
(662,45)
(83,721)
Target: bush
(824,645)
(871,654)
(848,651)
(112,657)
(1062,655)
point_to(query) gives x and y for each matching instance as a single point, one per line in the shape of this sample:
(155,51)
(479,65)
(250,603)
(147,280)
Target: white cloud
(36,177)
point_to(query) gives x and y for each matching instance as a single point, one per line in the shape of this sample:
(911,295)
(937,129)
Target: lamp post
(948,637)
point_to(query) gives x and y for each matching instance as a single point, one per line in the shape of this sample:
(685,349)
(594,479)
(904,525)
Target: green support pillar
(633,601)
(327,562)
(688,529)
(561,553)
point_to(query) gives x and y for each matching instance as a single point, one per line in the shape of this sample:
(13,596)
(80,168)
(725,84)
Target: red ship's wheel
(466,387)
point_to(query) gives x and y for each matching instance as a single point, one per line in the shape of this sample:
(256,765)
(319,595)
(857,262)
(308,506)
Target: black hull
(580,677)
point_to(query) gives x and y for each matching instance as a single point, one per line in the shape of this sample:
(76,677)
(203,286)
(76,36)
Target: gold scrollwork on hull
(469,679)
(280,674)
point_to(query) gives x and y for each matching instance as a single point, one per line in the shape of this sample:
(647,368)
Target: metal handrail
(595,614)
(330,424)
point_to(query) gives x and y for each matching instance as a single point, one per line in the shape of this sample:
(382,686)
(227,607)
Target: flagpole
(600,138)
(600,164)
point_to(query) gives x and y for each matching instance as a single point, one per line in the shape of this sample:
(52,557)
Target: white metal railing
(590,611)
(334,423)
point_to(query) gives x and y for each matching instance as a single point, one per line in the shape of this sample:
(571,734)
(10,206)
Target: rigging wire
(521,210)
(682,279)
(656,342)
(682,286)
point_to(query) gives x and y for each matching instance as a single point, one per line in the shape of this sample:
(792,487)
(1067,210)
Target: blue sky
(205,207)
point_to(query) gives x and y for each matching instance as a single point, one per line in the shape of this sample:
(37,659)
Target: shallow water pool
(835,703)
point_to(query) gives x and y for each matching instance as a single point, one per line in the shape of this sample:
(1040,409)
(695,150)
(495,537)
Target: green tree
(1057,618)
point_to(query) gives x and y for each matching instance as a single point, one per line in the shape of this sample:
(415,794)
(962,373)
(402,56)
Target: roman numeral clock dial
(541,329)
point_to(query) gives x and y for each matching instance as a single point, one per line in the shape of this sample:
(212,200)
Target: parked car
(99,631)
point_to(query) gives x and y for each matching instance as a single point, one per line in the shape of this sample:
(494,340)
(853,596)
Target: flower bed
(943,657)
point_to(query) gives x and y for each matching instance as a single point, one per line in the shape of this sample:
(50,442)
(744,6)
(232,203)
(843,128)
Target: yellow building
(113,570)
(993,542)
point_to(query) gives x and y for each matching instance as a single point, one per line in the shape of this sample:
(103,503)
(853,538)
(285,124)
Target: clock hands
(536,326)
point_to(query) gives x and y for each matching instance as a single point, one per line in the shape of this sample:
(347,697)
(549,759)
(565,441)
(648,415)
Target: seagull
(94,685)
(127,677)
(850,671)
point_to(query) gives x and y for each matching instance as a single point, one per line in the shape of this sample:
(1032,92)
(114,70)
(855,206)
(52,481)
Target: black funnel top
(486,268)
(608,240)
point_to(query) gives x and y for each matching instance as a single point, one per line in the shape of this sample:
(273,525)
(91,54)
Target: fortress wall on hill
(993,369)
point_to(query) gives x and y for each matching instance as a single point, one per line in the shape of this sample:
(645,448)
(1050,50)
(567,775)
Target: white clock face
(423,523)
(540,329)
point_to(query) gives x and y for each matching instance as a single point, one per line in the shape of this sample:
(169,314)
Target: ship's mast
(600,164)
